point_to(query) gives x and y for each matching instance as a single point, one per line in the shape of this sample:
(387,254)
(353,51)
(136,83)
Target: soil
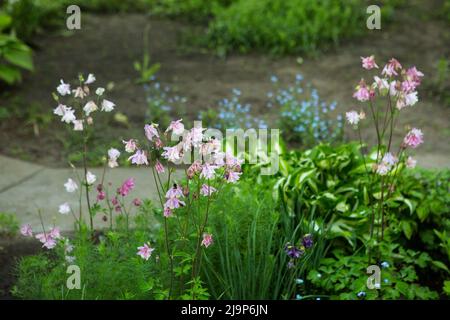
(11,249)
(107,45)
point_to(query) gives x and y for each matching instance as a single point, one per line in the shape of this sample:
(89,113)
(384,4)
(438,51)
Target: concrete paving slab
(45,191)
(14,171)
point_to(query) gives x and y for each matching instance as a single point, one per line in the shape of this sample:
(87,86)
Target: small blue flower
(385,264)
(299,281)
(318,298)
(273,79)
(298,297)
(361,294)
(386,280)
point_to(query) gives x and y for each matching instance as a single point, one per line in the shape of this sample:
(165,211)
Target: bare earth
(107,45)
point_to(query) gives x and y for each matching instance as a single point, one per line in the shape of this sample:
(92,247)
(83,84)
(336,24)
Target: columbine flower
(232,176)
(79,93)
(64,88)
(137,202)
(207,190)
(368,63)
(207,240)
(26,230)
(391,68)
(196,136)
(389,159)
(77,125)
(150,131)
(64,208)
(381,84)
(361,294)
(362,92)
(177,127)
(159,167)
(174,192)
(113,154)
(352,117)
(173,203)
(414,138)
(171,154)
(107,105)
(90,79)
(145,252)
(130,145)
(54,233)
(126,187)
(411,163)
(100,91)
(90,107)
(101,195)
(382,168)
(208,171)
(60,110)
(414,76)
(70,185)
(307,241)
(69,115)
(90,178)
(167,212)
(139,158)
(293,252)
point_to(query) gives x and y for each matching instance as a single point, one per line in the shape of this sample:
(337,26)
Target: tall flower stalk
(386,98)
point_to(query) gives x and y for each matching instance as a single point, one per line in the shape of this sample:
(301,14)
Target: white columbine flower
(90,79)
(69,115)
(64,208)
(90,107)
(60,110)
(90,178)
(70,185)
(107,105)
(99,91)
(63,89)
(113,154)
(352,117)
(78,125)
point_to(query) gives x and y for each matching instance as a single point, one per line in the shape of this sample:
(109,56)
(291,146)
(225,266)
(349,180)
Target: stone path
(26,188)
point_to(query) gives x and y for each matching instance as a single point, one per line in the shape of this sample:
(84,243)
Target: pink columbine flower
(208,171)
(159,167)
(126,187)
(167,212)
(381,84)
(232,176)
(411,163)
(414,138)
(368,63)
(177,127)
(54,233)
(151,131)
(362,92)
(130,145)
(137,202)
(26,230)
(207,190)
(207,240)
(107,106)
(158,143)
(383,168)
(174,203)
(171,154)
(63,89)
(145,252)
(101,195)
(115,201)
(390,69)
(352,117)
(414,75)
(389,159)
(196,136)
(139,158)
(175,192)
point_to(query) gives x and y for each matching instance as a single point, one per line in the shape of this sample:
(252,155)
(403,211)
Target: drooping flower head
(159,167)
(352,117)
(26,230)
(368,63)
(362,92)
(126,187)
(207,240)
(391,68)
(207,190)
(293,252)
(177,127)
(307,241)
(113,155)
(63,89)
(411,163)
(145,251)
(151,131)
(413,138)
(139,158)
(130,145)
(64,208)
(70,185)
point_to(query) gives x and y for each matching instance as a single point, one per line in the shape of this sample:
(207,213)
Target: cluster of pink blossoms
(214,163)
(48,239)
(399,85)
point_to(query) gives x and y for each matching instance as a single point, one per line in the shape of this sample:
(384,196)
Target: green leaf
(407,229)
(5,20)
(9,74)
(440,265)
(20,57)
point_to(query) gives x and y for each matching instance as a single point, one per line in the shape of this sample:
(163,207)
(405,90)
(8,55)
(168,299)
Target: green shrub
(9,226)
